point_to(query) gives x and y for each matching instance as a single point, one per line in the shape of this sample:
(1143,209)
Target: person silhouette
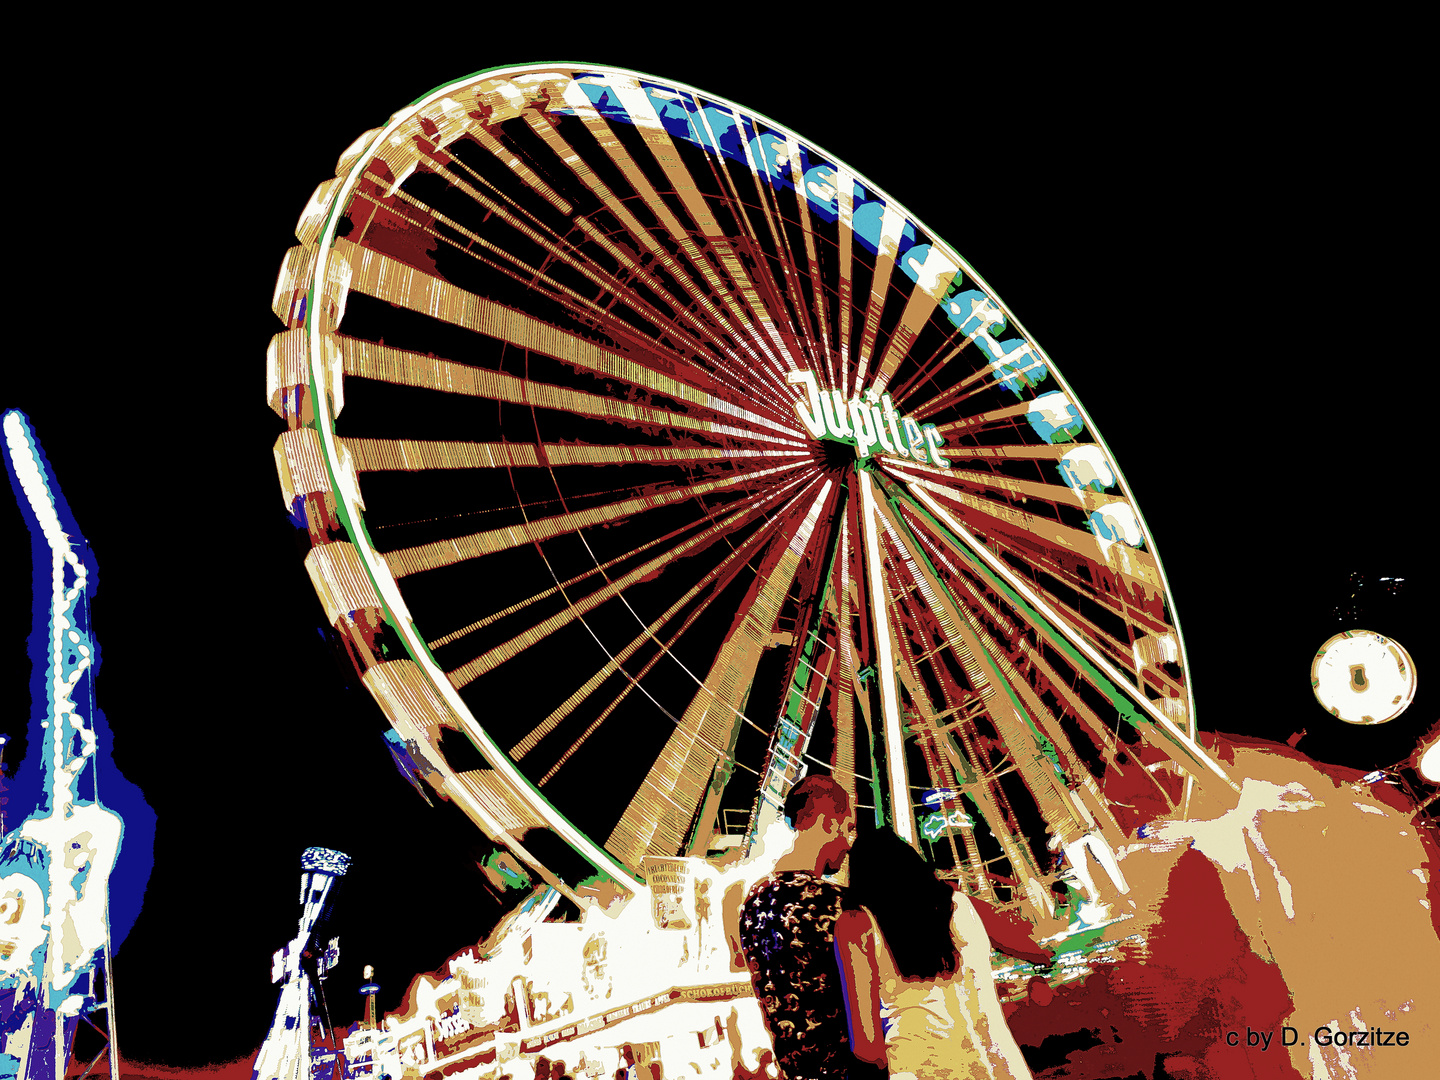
(915,957)
(786,935)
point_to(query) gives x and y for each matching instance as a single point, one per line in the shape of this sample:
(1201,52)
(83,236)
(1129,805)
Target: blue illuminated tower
(298,966)
(55,864)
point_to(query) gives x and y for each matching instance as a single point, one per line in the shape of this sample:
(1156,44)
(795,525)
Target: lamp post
(3,740)
(370,989)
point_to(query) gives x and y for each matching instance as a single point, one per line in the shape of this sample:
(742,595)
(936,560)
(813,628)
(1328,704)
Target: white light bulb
(1430,763)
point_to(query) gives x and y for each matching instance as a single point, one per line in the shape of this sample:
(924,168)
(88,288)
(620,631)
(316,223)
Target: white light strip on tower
(32,481)
(889,691)
(77,913)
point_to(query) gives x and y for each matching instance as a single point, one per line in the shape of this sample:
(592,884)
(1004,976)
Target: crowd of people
(890,974)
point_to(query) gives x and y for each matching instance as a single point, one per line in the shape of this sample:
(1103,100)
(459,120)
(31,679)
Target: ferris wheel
(652,458)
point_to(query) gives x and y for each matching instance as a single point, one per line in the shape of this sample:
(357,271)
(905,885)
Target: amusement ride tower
(55,865)
(300,967)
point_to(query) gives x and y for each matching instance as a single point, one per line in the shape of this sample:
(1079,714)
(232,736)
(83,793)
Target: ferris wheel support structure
(899,780)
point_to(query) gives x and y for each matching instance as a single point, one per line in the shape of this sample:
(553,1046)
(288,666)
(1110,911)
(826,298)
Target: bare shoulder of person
(966,921)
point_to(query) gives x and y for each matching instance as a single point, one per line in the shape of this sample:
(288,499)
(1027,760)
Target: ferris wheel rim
(348,503)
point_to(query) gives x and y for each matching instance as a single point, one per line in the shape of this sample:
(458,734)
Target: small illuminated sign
(867,420)
(933,826)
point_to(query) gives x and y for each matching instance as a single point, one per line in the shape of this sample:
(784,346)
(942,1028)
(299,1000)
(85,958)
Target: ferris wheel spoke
(762,220)
(842,684)
(708,349)
(606,695)
(577,607)
(726,315)
(1011,520)
(396,218)
(893,230)
(383,278)
(660,814)
(642,291)
(1078,573)
(812,668)
(945,762)
(884,650)
(1017,533)
(1028,726)
(734,292)
(995,701)
(1174,742)
(600,568)
(1017,452)
(713,584)
(402,367)
(546,222)
(845,278)
(710,586)
(980,421)
(932,278)
(931,370)
(771,243)
(1002,633)
(423,218)
(1008,540)
(978,383)
(720,240)
(816,317)
(414,455)
(985,790)
(1013,364)
(1014,488)
(421,557)
(512,167)
(559,250)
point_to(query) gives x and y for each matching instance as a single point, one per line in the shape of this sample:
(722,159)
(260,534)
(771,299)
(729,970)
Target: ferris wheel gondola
(652,457)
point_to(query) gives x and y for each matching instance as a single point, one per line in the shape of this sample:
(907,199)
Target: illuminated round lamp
(1429,763)
(1363,678)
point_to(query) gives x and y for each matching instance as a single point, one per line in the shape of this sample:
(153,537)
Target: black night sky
(1220,256)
